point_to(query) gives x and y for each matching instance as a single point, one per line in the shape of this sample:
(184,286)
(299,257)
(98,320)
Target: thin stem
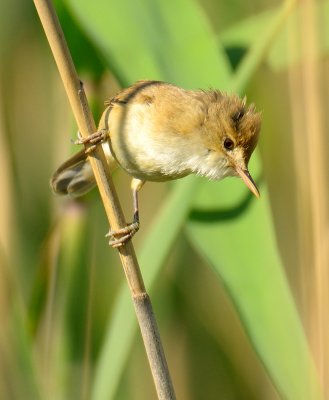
(261,46)
(86,125)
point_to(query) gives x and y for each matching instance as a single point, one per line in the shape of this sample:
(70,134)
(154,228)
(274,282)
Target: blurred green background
(239,285)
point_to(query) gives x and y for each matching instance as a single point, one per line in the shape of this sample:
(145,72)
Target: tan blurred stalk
(312,193)
(6,211)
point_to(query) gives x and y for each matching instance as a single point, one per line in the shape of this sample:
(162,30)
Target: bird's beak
(247,179)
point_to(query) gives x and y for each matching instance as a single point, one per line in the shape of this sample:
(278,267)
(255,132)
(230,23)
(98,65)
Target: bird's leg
(121,236)
(93,140)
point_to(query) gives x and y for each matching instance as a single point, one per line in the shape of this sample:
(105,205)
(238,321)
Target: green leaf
(154,39)
(233,231)
(171,41)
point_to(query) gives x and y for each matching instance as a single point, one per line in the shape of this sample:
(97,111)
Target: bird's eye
(228,144)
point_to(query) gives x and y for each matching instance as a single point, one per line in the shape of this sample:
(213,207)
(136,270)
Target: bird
(157,131)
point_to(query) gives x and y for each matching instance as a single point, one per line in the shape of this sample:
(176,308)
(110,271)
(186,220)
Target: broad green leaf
(154,39)
(233,231)
(242,35)
(239,243)
(171,41)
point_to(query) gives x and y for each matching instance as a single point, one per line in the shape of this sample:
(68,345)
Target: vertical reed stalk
(312,194)
(318,190)
(112,206)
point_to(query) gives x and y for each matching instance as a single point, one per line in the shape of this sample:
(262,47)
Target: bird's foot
(121,236)
(92,140)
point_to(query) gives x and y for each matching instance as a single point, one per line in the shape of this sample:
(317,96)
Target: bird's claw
(92,140)
(124,234)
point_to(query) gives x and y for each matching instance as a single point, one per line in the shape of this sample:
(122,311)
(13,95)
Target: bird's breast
(143,148)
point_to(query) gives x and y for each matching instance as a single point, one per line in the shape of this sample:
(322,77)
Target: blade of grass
(19,376)
(65,264)
(242,35)
(260,48)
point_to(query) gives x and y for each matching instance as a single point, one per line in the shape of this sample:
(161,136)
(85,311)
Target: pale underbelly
(145,166)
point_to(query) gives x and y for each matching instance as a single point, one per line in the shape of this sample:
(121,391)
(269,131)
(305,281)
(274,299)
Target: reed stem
(75,92)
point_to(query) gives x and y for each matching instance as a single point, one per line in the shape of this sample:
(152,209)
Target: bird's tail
(75,176)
